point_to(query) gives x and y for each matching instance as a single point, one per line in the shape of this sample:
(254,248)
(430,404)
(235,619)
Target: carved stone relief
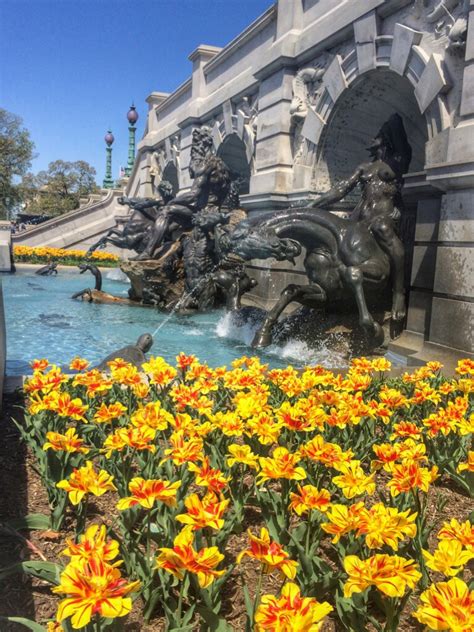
(246,119)
(306,91)
(447,18)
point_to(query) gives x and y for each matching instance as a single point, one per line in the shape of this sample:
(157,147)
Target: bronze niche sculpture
(344,257)
(211,183)
(178,249)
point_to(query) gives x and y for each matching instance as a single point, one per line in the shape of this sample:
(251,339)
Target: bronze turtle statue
(134,354)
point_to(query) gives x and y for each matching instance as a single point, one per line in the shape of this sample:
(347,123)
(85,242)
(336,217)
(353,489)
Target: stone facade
(294,99)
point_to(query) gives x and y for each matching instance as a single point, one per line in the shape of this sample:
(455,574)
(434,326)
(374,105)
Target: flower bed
(336,476)
(28,254)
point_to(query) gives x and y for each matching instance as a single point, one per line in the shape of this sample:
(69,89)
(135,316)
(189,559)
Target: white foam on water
(302,353)
(227,328)
(116,274)
(194,332)
(295,351)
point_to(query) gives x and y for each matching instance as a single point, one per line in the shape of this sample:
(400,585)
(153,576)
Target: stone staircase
(79,228)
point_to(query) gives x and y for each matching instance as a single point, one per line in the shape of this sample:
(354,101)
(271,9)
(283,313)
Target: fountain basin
(43,321)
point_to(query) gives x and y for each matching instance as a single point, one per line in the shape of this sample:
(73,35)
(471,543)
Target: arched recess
(357,116)
(233,152)
(170,173)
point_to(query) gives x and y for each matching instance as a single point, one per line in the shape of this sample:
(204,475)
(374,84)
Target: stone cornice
(204,50)
(255,27)
(157,97)
(180,90)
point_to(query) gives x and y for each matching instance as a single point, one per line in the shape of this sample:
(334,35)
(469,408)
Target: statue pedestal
(159,282)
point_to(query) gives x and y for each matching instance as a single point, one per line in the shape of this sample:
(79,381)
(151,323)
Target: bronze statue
(134,354)
(381,203)
(48,270)
(87,293)
(137,231)
(342,255)
(211,183)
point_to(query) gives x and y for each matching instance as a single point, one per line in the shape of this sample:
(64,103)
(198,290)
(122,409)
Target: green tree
(16,153)
(59,188)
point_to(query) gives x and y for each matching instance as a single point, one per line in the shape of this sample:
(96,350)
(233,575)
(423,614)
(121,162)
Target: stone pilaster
(290,14)
(452,312)
(467,101)
(273,157)
(154,100)
(199,58)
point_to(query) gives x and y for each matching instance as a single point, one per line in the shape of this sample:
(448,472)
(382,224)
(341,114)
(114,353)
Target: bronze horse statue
(342,258)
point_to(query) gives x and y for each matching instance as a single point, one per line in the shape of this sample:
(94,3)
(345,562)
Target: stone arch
(233,152)
(170,173)
(423,76)
(357,116)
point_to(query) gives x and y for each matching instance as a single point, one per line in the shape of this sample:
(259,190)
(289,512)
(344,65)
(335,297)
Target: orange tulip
(205,512)
(86,481)
(93,587)
(184,557)
(270,554)
(147,492)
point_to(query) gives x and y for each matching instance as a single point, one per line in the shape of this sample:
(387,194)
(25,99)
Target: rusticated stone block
(445,313)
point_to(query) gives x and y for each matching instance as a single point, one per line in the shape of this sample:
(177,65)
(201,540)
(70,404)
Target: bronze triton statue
(136,232)
(211,183)
(343,256)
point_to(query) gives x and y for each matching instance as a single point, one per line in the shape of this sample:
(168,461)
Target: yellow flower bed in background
(29,254)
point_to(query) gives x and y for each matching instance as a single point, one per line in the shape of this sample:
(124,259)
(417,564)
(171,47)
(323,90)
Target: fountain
(191,248)
(178,266)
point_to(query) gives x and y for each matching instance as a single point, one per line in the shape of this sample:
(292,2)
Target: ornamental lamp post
(132,117)
(108,183)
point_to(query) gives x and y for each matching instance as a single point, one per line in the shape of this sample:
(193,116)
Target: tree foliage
(16,153)
(59,188)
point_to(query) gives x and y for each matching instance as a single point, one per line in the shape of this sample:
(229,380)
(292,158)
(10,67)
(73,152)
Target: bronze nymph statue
(137,231)
(381,203)
(343,257)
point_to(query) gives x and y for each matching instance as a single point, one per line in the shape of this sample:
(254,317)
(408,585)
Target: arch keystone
(227,112)
(365,34)
(312,126)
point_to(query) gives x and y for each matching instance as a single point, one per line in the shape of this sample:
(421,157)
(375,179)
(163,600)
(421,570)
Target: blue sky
(71,68)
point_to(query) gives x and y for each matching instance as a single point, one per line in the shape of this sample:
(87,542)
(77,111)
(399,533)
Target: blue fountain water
(43,321)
